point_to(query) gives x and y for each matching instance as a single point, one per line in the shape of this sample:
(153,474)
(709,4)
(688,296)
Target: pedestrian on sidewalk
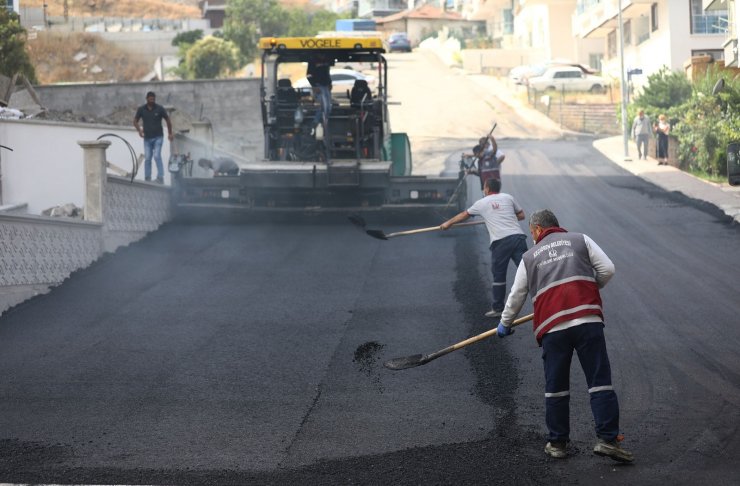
(151,115)
(502,214)
(563,273)
(641,131)
(662,128)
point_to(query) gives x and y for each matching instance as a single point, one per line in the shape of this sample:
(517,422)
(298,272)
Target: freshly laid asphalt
(237,353)
(251,353)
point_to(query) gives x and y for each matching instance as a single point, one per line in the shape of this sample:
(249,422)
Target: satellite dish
(718,86)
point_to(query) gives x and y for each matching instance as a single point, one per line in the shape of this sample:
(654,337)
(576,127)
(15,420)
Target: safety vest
(561,281)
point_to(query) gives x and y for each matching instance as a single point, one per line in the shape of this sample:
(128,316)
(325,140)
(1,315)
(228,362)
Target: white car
(341,80)
(568,78)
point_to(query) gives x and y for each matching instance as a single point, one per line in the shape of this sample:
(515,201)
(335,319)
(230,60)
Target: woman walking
(662,128)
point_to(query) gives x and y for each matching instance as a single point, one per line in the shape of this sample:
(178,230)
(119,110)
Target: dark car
(399,42)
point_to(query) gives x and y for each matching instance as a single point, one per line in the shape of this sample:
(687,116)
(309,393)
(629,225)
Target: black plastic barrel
(733,163)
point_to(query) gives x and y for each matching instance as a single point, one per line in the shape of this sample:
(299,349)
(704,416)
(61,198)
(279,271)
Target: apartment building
(656,33)
(381,8)
(498,16)
(545,26)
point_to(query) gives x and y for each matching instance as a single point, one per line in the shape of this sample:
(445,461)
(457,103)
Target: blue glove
(503,331)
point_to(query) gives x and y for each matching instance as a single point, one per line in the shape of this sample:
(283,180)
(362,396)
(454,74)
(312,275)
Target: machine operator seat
(287,96)
(360,96)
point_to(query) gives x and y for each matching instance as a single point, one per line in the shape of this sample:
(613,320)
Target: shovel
(360,224)
(379,234)
(422,359)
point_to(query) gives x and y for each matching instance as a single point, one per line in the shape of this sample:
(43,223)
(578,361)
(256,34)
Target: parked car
(522,74)
(341,80)
(569,78)
(399,42)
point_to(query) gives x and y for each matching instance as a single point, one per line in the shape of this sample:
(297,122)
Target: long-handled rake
(422,359)
(476,158)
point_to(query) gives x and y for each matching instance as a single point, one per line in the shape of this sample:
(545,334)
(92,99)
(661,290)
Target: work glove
(503,331)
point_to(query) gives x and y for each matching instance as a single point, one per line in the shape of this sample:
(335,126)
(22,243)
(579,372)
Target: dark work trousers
(557,350)
(511,247)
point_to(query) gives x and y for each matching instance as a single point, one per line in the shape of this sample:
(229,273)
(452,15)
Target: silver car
(568,78)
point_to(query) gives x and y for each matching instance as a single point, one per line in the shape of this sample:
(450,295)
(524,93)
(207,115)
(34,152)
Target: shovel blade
(377,234)
(404,363)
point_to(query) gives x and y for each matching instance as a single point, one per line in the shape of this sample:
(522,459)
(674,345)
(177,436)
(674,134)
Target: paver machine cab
(357,162)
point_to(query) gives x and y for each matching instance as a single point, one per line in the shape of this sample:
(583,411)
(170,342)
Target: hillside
(163,9)
(83,58)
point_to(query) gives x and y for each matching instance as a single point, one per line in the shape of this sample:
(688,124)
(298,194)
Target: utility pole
(66,11)
(622,81)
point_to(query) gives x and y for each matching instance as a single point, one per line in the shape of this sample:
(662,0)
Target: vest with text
(561,280)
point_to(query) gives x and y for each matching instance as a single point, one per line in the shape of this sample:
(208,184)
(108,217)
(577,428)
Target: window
(594,61)
(611,44)
(508,21)
(707,23)
(717,54)
(654,17)
(627,32)
(642,29)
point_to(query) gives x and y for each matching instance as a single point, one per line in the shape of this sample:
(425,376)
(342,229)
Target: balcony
(709,5)
(597,19)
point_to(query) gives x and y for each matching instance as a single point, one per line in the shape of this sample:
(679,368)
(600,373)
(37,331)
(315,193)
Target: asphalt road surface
(252,353)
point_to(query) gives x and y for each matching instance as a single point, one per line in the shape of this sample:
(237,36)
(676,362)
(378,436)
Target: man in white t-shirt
(502,214)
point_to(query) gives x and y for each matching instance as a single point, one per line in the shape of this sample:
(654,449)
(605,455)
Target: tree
(211,58)
(248,20)
(189,37)
(665,89)
(14,58)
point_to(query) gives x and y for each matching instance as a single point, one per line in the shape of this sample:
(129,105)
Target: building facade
(656,33)
(545,25)
(729,45)
(13,5)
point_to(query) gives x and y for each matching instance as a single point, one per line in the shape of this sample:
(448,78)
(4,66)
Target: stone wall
(231,105)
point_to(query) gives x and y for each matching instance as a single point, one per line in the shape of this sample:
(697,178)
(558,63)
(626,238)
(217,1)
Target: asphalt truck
(357,163)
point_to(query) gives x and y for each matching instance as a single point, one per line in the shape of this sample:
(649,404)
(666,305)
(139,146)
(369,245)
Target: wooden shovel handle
(431,228)
(490,332)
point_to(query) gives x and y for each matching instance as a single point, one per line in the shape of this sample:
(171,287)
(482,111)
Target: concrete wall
(45,168)
(499,61)
(232,105)
(40,252)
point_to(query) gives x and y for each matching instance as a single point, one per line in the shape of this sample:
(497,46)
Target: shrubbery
(704,123)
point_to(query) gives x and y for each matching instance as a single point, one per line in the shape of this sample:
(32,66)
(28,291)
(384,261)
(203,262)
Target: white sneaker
(493,313)
(556,449)
(613,450)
